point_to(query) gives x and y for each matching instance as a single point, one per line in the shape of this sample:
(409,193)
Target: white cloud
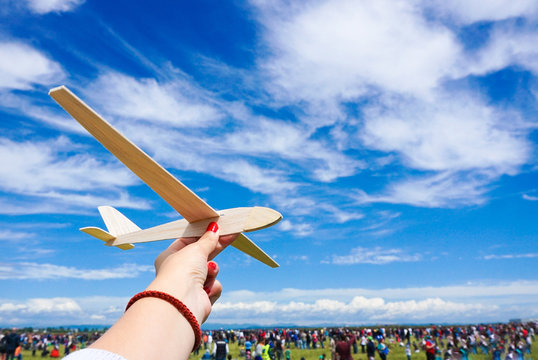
(61,311)
(14,235)
(376,255)
(529,197)
(511,256)
(298,229)
(67,183)
(449,132)
(359,310)
(41,305)
(19,103)
(508,45)
(47,6)
(462,303)
(471,11)
(22,67)
(490,293)
(37,167)
(176,103)
(442,190)
(35,271)
(376,44)
(292,141)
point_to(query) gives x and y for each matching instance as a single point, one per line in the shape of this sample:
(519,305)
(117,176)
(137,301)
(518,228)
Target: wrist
(190,296)
(183,310)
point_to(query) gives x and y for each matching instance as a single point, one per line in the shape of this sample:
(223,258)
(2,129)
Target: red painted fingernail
(212,265)
(213,227)
(207,289)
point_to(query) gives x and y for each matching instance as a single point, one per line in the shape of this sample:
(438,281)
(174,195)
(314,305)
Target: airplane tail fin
(116,223)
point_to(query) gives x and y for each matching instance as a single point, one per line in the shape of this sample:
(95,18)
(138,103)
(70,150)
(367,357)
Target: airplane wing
(246,245)
(180,197)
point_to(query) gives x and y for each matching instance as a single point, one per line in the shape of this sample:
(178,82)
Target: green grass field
(396,353)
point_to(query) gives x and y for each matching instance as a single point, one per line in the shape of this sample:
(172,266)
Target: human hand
(184,271)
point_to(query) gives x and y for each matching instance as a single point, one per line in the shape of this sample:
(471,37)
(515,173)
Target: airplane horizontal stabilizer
(98,233)
(246,245)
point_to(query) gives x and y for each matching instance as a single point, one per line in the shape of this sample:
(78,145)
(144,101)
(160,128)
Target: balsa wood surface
(231,221)
(244,244)
(181,198)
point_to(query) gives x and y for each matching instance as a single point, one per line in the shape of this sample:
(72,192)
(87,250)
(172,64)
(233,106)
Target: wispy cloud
(511,256)
(529,197)
(14,235)
(41,170)
(22,67)
(298,229)
(468,12)
(450,132)
(36,271)
(376,255)
(178,103)
(487,292)
(46,6)
(440,190)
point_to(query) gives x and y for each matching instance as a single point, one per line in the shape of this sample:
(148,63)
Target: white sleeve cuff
(93,354)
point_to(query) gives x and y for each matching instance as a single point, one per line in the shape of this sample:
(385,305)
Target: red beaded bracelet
(184,310)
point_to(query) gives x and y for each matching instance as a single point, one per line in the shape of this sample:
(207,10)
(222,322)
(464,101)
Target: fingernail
(206,289)
(213,227)
(212,265)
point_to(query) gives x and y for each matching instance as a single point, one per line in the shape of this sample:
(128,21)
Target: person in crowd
(258,352)
(3,345)
(55,352)
(363,343)
(343,346)
(370,348)
(382,349)
(266,354)
(430,348)
(12,342)
(248,347)
(220,348)
(278,349)
(18,353)
(332,344)
(206,355)
(408,351)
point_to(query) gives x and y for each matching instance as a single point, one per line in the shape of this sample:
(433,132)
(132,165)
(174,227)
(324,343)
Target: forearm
(151,328)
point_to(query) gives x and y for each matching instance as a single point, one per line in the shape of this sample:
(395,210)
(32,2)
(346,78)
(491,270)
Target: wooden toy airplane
(197,213)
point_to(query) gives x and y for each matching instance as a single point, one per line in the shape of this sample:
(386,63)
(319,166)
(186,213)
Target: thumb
(209,240)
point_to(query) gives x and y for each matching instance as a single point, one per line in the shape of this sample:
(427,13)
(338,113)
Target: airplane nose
(261,218)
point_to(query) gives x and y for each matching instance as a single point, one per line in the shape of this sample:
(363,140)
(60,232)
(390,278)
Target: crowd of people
(496,341)
(43,344)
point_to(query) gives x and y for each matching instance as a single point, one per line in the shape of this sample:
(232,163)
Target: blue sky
(398,140)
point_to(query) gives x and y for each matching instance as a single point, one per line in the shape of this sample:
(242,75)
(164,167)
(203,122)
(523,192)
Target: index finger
(223,242)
